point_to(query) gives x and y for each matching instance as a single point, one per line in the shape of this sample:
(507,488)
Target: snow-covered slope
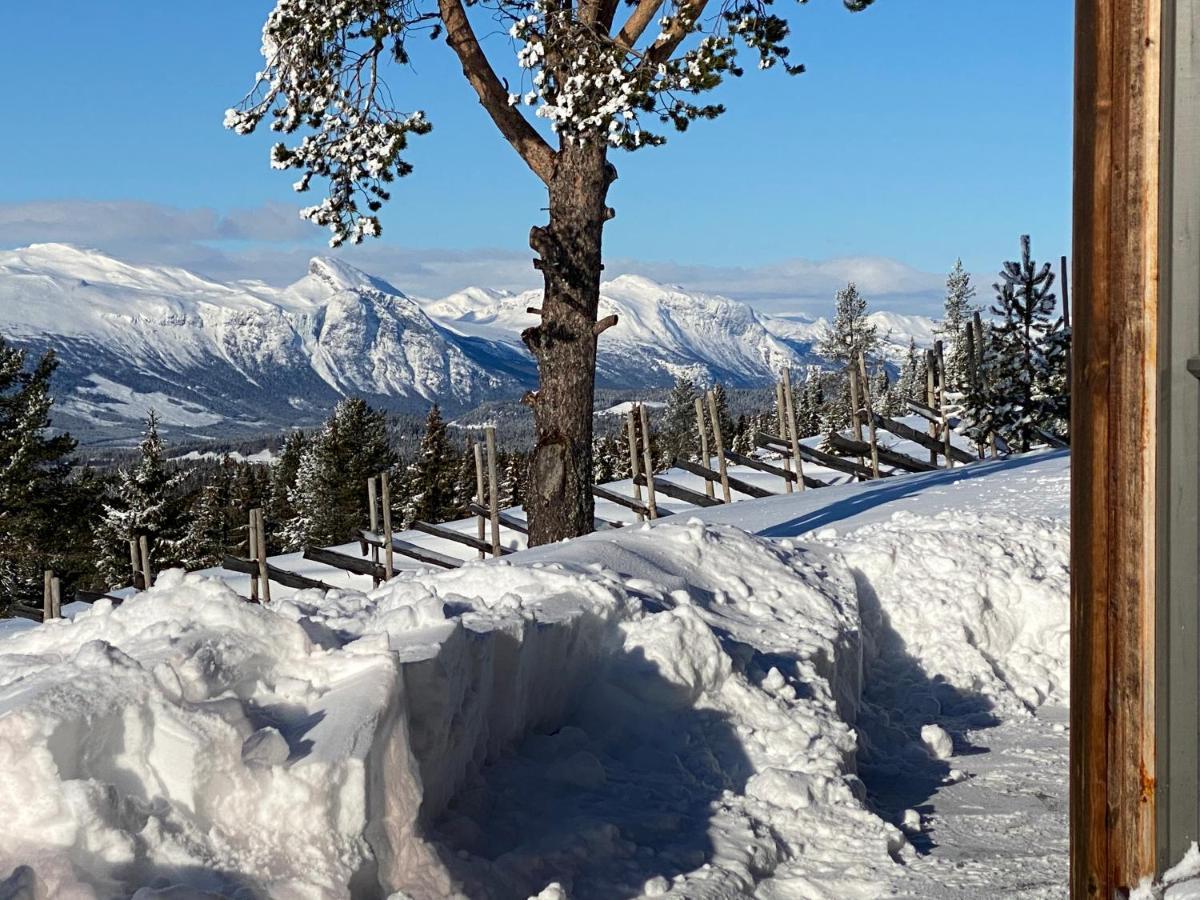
(206,354)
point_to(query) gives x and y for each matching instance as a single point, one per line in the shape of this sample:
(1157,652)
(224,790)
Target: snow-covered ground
(850,692)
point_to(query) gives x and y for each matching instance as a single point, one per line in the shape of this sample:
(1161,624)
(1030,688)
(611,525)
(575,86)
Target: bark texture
(559,498)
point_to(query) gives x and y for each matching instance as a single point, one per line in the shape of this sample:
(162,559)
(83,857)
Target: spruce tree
(279,511)
(679,420)
(432,473)
(724,418)
(211,528)
(512,482)
(45,513)
(1025,346)
(146,500)
(956,320)
(851,333)
(329,496)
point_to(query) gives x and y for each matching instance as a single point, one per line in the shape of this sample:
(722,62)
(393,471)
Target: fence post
(56,596)
(47,599)
(931,398)
(793,431)
(783,432)
(719,439)
(705,456)
(870,411)
(373,520)
(480,495)
(941,361)
(261,531)
(855,421)
(493,488)
(252,553)
(648,461)
(147,574)
(634,465)
(135,565)
(389,555)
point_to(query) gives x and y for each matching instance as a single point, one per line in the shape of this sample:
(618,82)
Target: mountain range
(225,359)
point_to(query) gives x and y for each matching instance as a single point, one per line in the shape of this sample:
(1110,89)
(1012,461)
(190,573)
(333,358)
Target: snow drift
(684,709)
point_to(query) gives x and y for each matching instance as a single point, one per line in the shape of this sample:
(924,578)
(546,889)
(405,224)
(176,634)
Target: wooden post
(493,488)
(648,459)
(373,519)
(931,397)
(793,432)
(480,496)
(56,596)
(634,466)
(252,553)
(1066,317)
(705,456)
(144,549)
(389,555)
(782,429)
(719,440)
(260,524)
(135,565)
(1115,779)
(47,596)
(939,351)
(855,421)
(870,410)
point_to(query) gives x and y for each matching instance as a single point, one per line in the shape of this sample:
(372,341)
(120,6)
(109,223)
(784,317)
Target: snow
(850,692)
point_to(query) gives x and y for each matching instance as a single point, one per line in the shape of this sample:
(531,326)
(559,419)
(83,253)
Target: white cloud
(271,243)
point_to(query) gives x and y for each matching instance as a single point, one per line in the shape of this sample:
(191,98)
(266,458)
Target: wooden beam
(23,611)
(685,495)
(1114,774)
(905,432)
(813,455)
(449,534)
(751,462)
(629,503)
(412,551)
(742,487)
(343,561)
(508,521)
(276,574)
(888,457)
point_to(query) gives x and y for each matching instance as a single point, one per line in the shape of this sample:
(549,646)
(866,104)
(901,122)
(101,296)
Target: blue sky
(923,130)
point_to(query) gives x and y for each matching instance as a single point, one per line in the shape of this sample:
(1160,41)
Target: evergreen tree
(329,496)
(957,319)
(512,482)
(279,510)
(465,483)
(1025,354)
(679,420)
(146,500)
(911,383)
(850,333)
(44,512)
(432,474)
(211,528)
(724,419)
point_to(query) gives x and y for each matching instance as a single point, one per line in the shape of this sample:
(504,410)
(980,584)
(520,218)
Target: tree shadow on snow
(621,793)
(899,698)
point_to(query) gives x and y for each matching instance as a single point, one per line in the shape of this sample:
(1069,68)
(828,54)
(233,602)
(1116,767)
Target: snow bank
(335,745)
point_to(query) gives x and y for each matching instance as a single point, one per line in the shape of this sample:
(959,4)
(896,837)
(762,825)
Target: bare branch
(604,324)
(635,26)
(531,146)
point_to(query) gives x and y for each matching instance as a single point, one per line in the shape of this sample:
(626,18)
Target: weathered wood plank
(274,573)
(751,462)
(510,522)
(629,503)
(345,562)
(412,551)
(449,534)
(677,492)
(812,454)
(742,487)
(891,458)
(908,433)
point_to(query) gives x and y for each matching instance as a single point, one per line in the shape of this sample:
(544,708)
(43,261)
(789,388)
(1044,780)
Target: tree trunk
(559,499)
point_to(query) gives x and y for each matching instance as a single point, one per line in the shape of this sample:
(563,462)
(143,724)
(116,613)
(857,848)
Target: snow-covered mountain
(219,359)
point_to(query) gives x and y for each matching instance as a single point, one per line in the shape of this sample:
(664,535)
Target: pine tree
(44,512)
(1025,346)
(329,496)
(512,482)
(279,511)
(679,420)
(432,473)
(956,320)
(145,501)
(850,333)
(911,383)
(211,529)
(724,419)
